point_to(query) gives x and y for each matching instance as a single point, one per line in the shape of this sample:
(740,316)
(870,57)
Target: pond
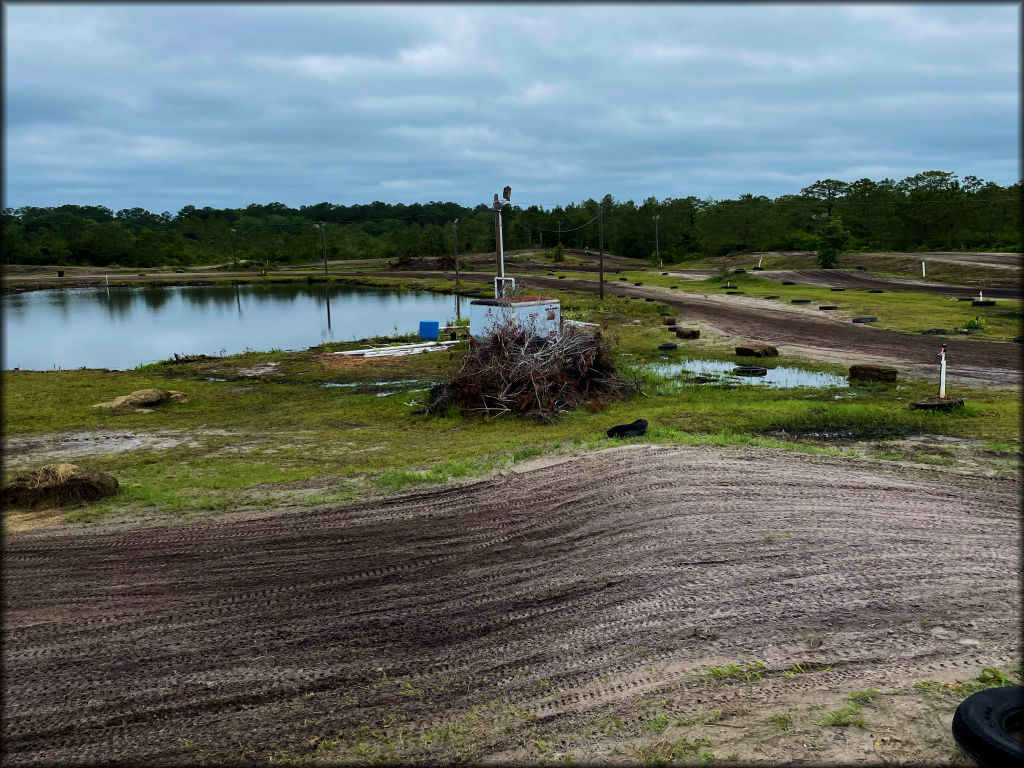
(719,372)
(122,327)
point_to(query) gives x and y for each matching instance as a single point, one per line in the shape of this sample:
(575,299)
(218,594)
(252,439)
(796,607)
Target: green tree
(832,238)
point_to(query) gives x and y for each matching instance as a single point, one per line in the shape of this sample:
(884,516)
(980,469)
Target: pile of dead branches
(515,371)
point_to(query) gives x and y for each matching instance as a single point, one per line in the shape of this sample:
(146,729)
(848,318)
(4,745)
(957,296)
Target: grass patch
(850,715)
(693,751)
(732,672)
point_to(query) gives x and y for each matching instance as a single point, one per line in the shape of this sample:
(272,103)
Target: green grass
(844,717)
(733,672)
(288,439)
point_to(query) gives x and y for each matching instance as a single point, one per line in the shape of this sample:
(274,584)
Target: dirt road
(810,333)
(852,278)
(553,597)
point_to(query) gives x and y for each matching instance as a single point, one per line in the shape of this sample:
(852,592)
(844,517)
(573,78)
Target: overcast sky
(162,106)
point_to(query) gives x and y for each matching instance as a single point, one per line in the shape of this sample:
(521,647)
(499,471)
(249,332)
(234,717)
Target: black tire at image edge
(980,726)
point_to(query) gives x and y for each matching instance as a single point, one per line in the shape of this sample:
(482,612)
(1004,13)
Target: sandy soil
(568,600)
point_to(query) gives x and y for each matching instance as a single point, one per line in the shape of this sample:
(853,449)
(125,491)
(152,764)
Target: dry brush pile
(515,371)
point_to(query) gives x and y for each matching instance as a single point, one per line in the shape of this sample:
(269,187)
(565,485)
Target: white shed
(542,315)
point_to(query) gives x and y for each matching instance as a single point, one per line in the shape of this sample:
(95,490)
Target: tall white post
(922,269)
(942,374)
(759,262)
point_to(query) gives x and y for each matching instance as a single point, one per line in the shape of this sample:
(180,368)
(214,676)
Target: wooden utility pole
(455,250)
(600,247)
(323,240)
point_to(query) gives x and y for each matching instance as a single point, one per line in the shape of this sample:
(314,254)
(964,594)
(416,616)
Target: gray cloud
(167,105)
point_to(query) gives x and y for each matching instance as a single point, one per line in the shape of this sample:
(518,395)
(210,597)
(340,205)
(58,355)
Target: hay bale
(668,320)
(687,333)
(141,400)
(869,372)
(55,485)
(757,350)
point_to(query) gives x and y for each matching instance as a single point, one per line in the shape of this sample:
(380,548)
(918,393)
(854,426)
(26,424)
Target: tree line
(933,210)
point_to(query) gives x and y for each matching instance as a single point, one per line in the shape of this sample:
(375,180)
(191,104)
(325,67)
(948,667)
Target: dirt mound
(55,485)
(869,372)
(514,371)
(141,400)
(757,350)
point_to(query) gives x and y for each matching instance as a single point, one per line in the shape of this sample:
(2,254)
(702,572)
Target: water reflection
(719,372)
(121,327)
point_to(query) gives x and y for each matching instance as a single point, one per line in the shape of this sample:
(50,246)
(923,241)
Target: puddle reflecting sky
(778,377)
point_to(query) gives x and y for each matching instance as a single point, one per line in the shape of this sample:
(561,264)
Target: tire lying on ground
(875,290)
(636,429)
(749,370)
(687,333)
(668,345)
(828,306)
(773,296)
(734,293)
(865,319)
(983,303)
(799,301)
(837,289)
(933,331)
(672,328)
(983,725)
(788,282)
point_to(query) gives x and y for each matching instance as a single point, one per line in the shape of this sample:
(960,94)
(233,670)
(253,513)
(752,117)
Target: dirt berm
(561,595)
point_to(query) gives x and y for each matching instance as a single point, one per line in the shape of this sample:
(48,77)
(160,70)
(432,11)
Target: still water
(122,327)
(719,372)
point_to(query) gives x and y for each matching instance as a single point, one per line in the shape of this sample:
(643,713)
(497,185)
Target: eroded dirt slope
(557,596)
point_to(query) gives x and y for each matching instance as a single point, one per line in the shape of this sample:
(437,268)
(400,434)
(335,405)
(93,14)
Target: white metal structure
(541,315)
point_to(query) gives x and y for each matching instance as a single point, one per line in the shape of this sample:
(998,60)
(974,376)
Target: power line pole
(455,250)
(600,246)
(657,251)
(322,226)
(497,237)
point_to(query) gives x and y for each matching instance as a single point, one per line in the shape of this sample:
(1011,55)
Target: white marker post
(759,262)
(922,269)
(942,373)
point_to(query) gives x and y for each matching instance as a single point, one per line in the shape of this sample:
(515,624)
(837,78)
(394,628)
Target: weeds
(782,721)
(844,717)
(867,696)
(729,672)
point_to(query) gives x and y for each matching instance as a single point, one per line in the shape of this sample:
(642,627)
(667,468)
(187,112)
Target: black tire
(828,306)
(982,724)
(624,279)
(799,301)
(773,296)
(876,290)
(673,287)
(837,289)
(788,282)
(740,271)
(734,293)
(749,370)
(865,319)
(983,303)
(668,345)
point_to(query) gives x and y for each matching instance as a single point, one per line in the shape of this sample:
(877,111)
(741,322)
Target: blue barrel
(429,330)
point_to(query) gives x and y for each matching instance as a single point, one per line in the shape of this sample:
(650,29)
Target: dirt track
(567,592)
(810,333)
(852,278)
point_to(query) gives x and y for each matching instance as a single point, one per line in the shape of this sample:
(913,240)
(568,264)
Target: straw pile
(514,371)
(138,401)
(55,485)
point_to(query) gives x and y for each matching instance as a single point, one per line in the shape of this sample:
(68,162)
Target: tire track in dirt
(610,576)
(818,336)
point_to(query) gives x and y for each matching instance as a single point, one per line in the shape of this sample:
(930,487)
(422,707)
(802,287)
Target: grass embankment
(284,437)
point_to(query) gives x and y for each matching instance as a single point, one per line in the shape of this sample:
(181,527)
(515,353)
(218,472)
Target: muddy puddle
(43,449)
(733,374)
